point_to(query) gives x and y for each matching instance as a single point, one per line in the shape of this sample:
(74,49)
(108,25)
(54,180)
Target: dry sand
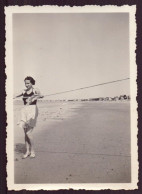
(76,142)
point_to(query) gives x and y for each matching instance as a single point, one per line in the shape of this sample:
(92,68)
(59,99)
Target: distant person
(29,114)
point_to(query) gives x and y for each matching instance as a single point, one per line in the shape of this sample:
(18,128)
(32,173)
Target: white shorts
(29,115)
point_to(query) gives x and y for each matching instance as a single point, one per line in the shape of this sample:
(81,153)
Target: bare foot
(26,155)
(32,155)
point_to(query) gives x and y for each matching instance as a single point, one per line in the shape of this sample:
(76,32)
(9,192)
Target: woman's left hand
(29,101)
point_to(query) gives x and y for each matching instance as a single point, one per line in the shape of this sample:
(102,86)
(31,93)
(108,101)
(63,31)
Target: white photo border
(9,99)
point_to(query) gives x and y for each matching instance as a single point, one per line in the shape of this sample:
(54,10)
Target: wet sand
(76,142)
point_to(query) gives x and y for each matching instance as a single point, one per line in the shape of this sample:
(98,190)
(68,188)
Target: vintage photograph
(71,97)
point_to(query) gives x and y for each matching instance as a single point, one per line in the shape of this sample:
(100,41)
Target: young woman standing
(29,114)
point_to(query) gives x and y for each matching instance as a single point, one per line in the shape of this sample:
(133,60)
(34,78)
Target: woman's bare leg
(27,144)
(31,142)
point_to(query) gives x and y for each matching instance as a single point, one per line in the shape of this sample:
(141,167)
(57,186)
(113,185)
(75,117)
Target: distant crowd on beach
(116,98)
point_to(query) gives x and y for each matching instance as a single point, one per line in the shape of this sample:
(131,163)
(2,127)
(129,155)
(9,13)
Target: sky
(65,51)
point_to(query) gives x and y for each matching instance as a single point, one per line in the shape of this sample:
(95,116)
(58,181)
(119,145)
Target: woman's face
(28,84)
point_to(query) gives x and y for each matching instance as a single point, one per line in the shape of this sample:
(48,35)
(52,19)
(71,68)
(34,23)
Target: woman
(29,114)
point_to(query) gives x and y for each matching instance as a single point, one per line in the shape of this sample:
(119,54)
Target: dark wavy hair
(31,80)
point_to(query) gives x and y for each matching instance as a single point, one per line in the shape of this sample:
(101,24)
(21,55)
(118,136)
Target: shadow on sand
(20,148)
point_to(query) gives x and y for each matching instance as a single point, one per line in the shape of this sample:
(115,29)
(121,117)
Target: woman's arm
(36,96)
(19,95)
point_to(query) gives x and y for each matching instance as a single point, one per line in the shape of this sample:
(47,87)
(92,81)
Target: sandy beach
(76,142)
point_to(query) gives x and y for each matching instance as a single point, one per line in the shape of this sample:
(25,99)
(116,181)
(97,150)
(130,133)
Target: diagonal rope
(67,91)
